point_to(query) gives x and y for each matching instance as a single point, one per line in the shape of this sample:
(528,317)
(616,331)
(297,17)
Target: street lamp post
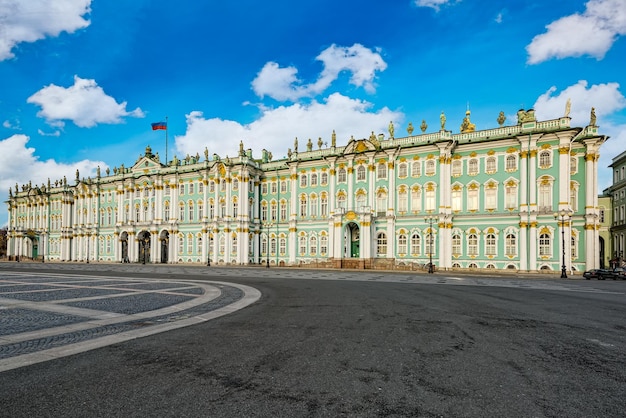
(268,226)
(563,214)
(429,220)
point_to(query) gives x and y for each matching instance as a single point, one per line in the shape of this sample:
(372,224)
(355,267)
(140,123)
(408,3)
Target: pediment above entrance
(358,146)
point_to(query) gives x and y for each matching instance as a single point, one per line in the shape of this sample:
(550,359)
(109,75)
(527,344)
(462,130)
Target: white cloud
(85,103)
(434,4)
(276,129)
(498,18)
(607,100)
(283,84)
(31,20)
(590,33)
(15,156)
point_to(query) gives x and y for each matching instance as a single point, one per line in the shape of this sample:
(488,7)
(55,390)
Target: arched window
(313,205)
(381,202)
(456,245)
(189,244)
(341,200)
(430,167)
(323,245)
(233,248)
(457,168)
(545,245)
(402,244)
(472,167)
(545,159)
(313,180)
(472,244)
(303,180)
(573,165)
(490,165)
(191,218)
(341,175)
(222,244)
(403,201)
(381,172)
(360,173)
(402,170)
(324,178)
(282,246)
(381,244)
(302,245)
(511,163)
(416,244)
(361,200)
(303,206)
(324,205)
(313,246)
(490,244)
(416,169)
(510,245)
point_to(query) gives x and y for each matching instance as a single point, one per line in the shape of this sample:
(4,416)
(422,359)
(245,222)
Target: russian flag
(159,125)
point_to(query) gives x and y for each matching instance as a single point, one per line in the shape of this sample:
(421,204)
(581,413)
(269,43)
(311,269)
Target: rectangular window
(491,201)
(472,199)
(457,203)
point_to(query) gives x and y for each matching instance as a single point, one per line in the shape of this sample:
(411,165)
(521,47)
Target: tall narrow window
(381,244)
(403,201)
(457,168)
(402,244)
(545,246)
(490,244)
(381,202)
(402,170)
(313,246)
(416,244)
(360,173)
(510,196)
(430,167)
(302,245)
(341,201)
(456,245)
(430,198)
(545,159)
(313,205)
(472,244)
(303,206)
(472,198)
(457,202)
(511,163)
(323,245)
(510,245)
(324,205)
(341,175)
(416,199)
(490,165)
(472,167)
(313,180)
(381,171)
(491,198)
(416,169)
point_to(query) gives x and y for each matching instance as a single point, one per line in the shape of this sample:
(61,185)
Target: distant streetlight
(430,219)
(563,215)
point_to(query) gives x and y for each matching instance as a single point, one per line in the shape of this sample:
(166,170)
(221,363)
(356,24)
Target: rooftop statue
(501,118)
(442,120)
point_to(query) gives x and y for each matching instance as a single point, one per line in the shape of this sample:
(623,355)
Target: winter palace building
(521,197)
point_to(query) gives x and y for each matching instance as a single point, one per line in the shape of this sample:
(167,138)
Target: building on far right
(617,193)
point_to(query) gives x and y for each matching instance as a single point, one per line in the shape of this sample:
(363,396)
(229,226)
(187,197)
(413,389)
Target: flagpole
(166,128)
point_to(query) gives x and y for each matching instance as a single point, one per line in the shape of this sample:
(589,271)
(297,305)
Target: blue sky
(81,80)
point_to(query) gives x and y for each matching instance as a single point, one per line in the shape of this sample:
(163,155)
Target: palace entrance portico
(351,239)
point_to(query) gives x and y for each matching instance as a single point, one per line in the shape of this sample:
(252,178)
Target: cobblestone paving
(71,314)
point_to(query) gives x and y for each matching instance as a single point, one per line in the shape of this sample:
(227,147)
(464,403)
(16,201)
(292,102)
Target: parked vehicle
(605,274)
(618,273)
(592,274)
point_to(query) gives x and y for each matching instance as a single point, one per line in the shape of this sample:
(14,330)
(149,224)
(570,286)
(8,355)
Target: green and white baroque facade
(493,194)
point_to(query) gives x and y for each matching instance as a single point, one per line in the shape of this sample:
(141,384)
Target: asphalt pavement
(345,343)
